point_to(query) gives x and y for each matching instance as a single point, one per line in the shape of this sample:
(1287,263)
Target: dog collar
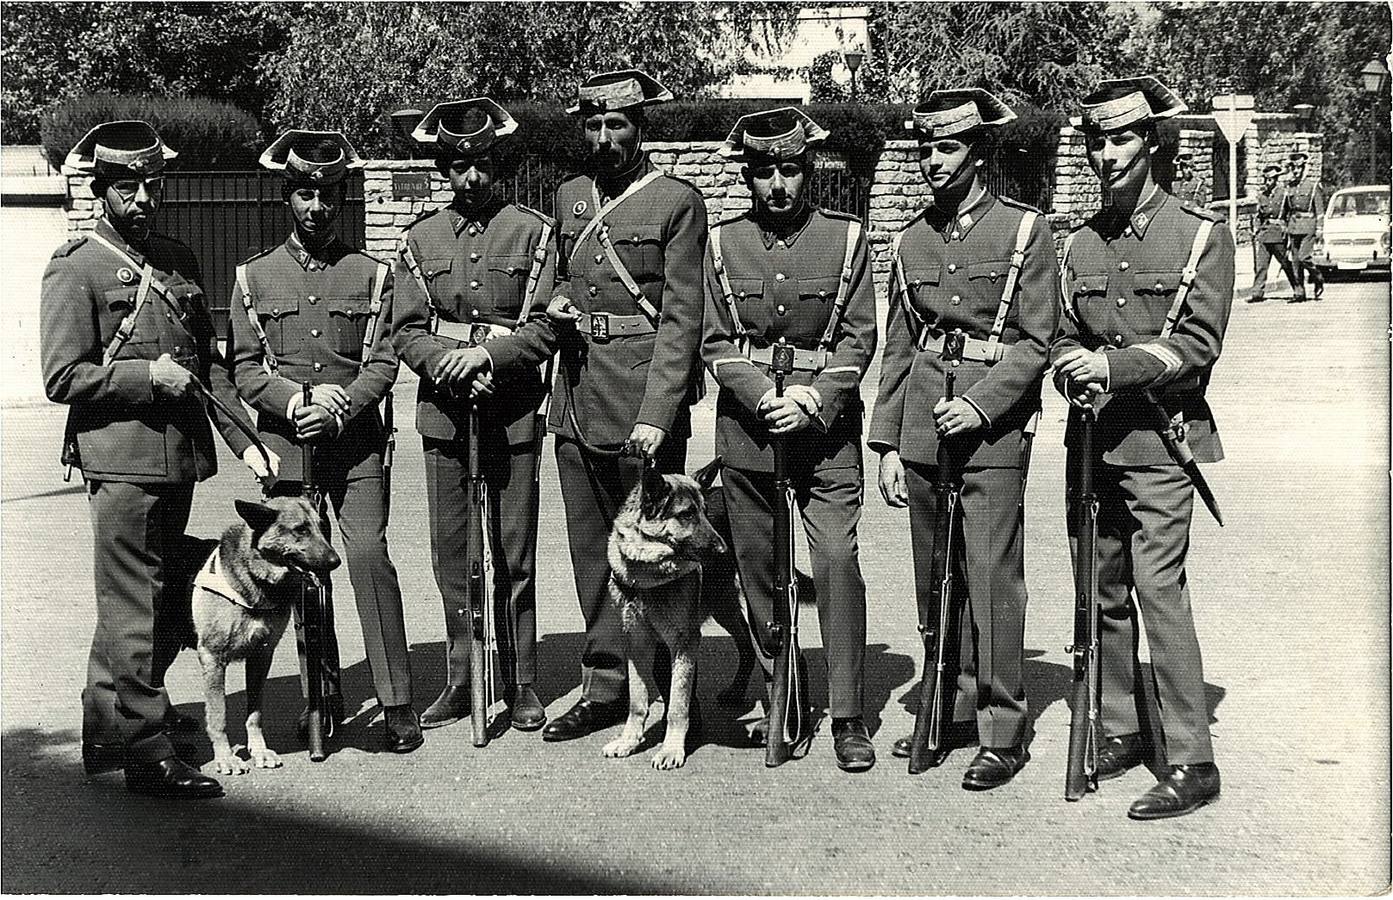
(212,579)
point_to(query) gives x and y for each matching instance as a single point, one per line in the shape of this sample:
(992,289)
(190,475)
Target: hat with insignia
(952,112)
(612,91)
(783,133)
(465,127)
(312,157)
(1120,103)
(129,147)
(1272,168)
(1298,156)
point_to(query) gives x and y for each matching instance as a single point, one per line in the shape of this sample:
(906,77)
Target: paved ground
(1292,601)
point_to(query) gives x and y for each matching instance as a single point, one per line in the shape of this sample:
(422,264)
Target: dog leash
(234,419)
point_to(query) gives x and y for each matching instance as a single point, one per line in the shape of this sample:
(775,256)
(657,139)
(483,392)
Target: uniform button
(473,257)
(1160,286)
(993,276)
(781,242)
(275,310)
(169,317)
(780,277)
(742,295)
(594,290)
(822,294)
(314,332)
(955,235)
(780,309)
(952,267)
(473,285)
(599,258)
(1117,339)
(955,299)
(473,230)
(1121,302)
(312,298)
(635,237)
(474,312)
(178,349)
(1123,266)
(319,367)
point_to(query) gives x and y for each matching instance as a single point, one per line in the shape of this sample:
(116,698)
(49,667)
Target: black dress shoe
(98,759)
(172,778)
(526,711)
(852,743)
(1118,754)
(1181,792)
(1256,298)
(994,766)
(585,717)
(452,705)
(403,729)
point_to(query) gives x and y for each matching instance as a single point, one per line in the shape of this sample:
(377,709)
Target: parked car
(1356,231)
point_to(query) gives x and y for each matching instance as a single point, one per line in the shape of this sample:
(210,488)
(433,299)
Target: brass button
(314,332)
(1160,286)
(955,235)
(781,242)
(599,258)
(319,367)
(178,349)
(952,267)
(822,294)
(275,310)
(594,290)
(473,230)
(473,257)
(742,295)
(169,317)
(1117,339)
(635,237)
(780,309)
(780,277)
(993,276)
(1121,302)
(474,312)
(1123,266)
(955,299)
(312,298)
(473,285)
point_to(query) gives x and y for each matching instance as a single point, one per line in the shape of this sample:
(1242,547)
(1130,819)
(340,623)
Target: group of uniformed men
(633,295)
(1285,224)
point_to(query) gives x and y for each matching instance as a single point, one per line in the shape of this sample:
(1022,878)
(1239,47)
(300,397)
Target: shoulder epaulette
(68,246)
(258,254)
(839,214)
(537,214)
(920,216)
(425,214)
(731,221)
(1201,213)
(1016,204)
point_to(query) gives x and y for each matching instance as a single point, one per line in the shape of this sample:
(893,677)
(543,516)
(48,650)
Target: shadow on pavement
(60,835)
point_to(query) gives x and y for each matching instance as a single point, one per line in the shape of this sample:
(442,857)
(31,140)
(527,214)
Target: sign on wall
(410,185)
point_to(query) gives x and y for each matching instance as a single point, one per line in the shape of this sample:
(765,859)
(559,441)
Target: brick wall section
(81,206)
(1200,145)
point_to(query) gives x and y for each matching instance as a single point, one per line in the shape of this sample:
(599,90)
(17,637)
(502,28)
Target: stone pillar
(1268,140)
(1199,144)
(700,163)
(81,206)
(898,194)
(385,217)
(1077,194)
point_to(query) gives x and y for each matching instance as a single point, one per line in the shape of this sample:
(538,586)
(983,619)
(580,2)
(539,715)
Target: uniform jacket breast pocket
(987,272)
(507,278)
(748,294)
(1088,288)
(1156,288)
(436,273)
(280,318)
(921,280)
(640,248)
(348,321)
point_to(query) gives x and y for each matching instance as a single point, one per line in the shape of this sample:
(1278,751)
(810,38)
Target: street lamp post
(1374,75)
(853,59)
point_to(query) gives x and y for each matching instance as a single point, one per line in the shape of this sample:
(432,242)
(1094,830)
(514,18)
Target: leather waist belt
(603,326)
(471,334)
(974,349)
(803,360)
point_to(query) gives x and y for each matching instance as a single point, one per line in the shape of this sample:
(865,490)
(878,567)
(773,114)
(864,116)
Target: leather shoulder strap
(625,278)
(1013,275)
(127,326)
(853,238)
(1187,276)
(534,274)
(268,358)
(718,261)
(379,283)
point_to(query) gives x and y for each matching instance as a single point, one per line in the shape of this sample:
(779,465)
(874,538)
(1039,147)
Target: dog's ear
(257,515)
(655,492)
(706,475)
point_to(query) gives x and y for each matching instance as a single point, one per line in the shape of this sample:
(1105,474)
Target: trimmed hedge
(207,134)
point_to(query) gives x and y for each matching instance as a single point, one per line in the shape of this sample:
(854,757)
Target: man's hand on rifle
(169,378)
(1086,375)
(314,421)
(561,309)
(481,386)
(459,367)
(252,458)
(330,396)
(783,415)
(956,416)
(892,484)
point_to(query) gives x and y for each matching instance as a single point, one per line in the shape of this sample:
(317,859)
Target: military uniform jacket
(476,271)
(1268,227)
(1305,205)
(124,431)
(659,235)
(785,285)
(952,274)
(315,311)
(1120,278)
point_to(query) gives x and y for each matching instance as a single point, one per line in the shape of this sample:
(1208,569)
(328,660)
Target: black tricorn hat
(126,147)
(620,90)
(956,111)
(465,127)
(1120,103)
(305,156)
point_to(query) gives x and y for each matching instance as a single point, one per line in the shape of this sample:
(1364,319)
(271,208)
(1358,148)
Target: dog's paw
(669,757)
(230,764)
(265,759)
(620,747)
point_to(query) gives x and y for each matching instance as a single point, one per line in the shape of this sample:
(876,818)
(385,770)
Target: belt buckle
(478,333)
(599,326)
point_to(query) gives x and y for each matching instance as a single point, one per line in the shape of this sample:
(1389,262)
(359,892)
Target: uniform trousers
(1263,253)
(830,503)
(1143,538)
(360,508)
(511,526)
(1300,247)
(593,487)
(142,613)
(989,568)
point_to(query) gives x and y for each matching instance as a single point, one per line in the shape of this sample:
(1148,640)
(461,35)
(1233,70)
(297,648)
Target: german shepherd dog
(660,537)
(242,601)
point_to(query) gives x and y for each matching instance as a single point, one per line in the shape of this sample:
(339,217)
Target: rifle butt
(1078,780)
(777,746)
(925,744)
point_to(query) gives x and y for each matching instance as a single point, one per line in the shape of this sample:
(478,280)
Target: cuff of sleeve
(1131,367)
(986,419)
(882,446)
(294,404)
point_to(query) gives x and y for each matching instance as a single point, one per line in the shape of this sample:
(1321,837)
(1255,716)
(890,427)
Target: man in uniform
(1148,285)
(629,298)
(985,265)
(126,334)
(1269,236)
(1187,186)
(315,311)
(1305,206)
(469,316)
(789,271)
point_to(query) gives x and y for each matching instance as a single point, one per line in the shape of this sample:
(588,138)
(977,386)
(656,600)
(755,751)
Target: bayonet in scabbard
(1085,735)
